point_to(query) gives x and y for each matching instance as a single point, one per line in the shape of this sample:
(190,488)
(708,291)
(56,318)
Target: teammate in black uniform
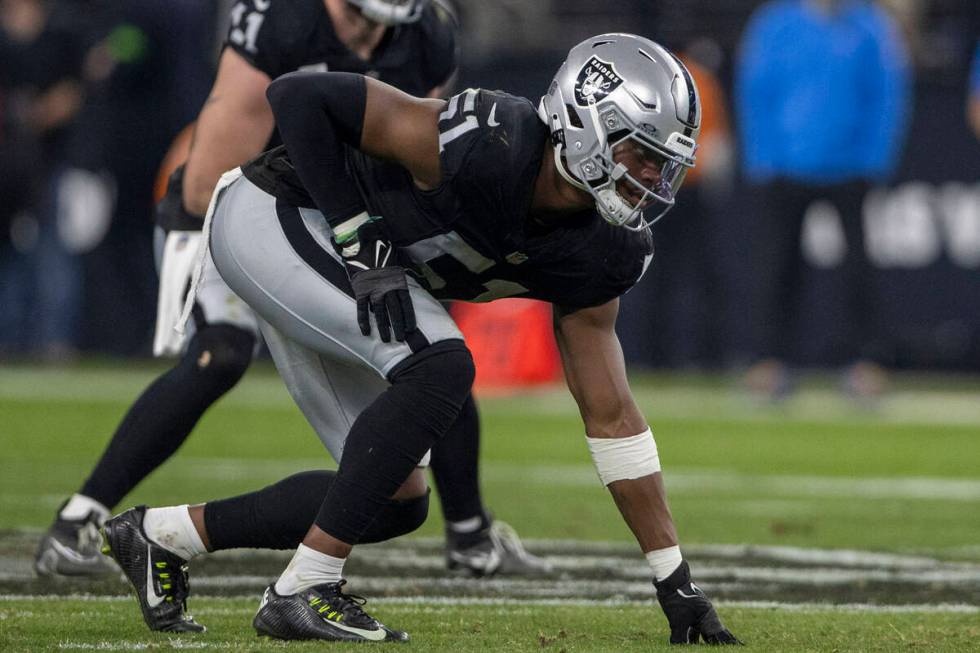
(410,45)
(463,200)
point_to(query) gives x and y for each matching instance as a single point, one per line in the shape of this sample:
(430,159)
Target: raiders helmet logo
(596,80)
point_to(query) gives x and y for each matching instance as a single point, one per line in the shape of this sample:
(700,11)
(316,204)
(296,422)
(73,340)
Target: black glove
(689,612)
(171,214)
(379,282)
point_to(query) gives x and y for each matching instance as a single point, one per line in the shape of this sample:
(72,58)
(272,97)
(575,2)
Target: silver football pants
(279,259)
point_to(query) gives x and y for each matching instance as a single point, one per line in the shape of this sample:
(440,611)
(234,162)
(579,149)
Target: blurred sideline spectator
(90,102)
(822,101)
(40,76)
(973,94)
(154,60)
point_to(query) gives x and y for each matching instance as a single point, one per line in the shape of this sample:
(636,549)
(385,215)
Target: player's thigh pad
(330,391)
(279,259)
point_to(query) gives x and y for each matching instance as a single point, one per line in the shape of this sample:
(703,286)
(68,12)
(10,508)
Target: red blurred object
(512,341)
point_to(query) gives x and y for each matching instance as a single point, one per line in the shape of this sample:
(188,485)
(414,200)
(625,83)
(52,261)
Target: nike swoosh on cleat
(264,602)
(152,598)
(694,588)
(487,562)
(373,635)
(492,118)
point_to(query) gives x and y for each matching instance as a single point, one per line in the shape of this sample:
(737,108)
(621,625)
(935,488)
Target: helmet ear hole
(573,118)
(618,135)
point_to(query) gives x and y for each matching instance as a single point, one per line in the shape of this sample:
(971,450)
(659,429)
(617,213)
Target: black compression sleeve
(317,114)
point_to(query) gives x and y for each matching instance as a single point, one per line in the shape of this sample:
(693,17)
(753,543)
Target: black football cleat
(71,547)
(321,612)
(494,550)
(689,611)
(158,576)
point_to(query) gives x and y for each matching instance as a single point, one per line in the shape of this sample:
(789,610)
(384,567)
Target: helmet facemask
(638,180)
(391,12)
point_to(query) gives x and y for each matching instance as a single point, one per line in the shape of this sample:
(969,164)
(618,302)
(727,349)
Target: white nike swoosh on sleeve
(492,118)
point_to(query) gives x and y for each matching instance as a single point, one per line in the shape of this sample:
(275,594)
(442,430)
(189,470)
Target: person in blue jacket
(822,94)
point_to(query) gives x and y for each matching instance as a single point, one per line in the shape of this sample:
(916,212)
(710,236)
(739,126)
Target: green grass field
(817,487)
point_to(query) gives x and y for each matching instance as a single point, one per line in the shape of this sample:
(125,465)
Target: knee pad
(390,437)
(446,367)
(220,354)
(399,518)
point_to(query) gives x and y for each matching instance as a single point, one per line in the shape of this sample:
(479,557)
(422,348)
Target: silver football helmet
(391,12)
(624,115)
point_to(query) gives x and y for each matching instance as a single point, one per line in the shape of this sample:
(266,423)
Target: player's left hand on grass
(380,284)
(689,612)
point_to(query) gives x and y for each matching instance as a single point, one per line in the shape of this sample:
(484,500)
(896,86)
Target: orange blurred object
(512,341)
(175,157)
(714,116)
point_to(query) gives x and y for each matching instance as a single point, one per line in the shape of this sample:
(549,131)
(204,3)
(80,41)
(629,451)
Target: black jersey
(470,239)
(281,36)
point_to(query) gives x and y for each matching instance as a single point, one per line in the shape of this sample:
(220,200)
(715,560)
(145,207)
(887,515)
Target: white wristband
(664,562)
(618,459)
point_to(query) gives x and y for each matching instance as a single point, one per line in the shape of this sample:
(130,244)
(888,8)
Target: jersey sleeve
(252,33)
(441,53)
(493,138)
(459,131)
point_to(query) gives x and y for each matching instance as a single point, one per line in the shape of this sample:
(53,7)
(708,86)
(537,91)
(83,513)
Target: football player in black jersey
(408,44)
(378,204)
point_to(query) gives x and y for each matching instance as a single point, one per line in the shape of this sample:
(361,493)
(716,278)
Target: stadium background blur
(87,122)
(815,524)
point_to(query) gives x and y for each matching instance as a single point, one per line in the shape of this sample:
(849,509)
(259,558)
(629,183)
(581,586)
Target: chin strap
(565,172)
(558,144)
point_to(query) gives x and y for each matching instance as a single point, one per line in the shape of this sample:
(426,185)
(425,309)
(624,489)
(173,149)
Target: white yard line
(439,602)
(427,553)
(449,601)
(127,645)
(572,554)
(622,577)
(829,557)
(635,581)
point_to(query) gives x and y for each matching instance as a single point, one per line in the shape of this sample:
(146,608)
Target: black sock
(389,437)
(278,516)
(167,411)
(455,466)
